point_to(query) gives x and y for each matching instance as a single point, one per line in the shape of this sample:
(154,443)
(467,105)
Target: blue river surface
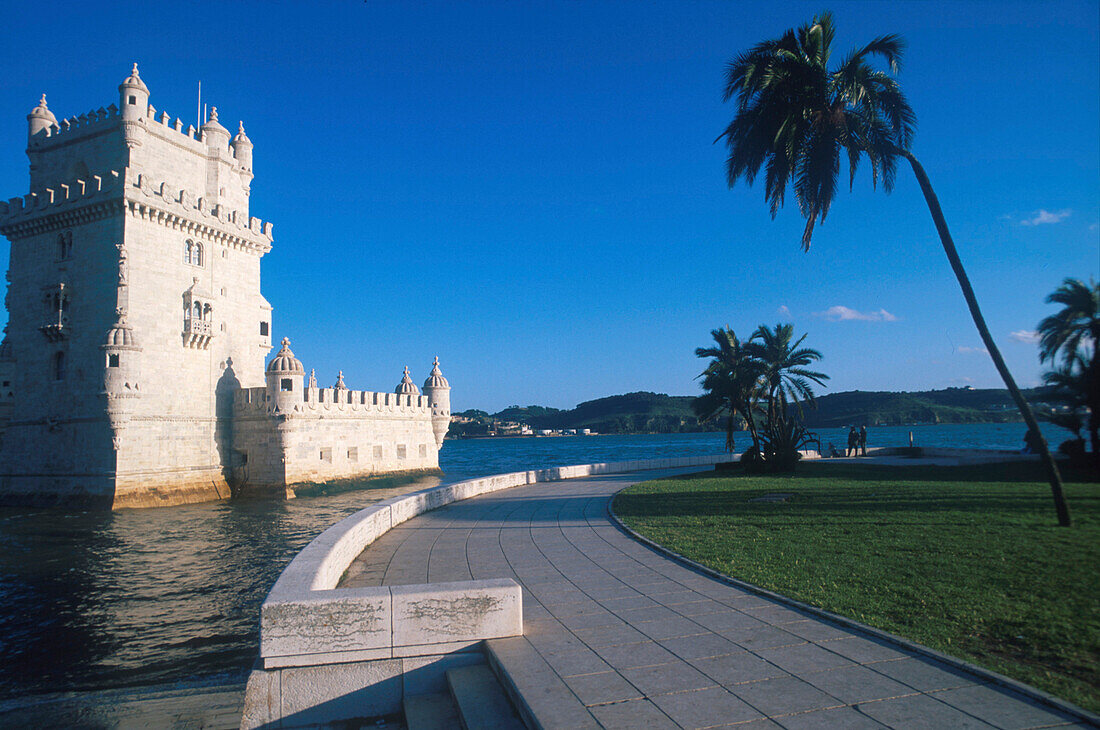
(171,596)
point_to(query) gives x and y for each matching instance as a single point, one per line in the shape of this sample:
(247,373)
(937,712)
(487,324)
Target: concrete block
(326,621)
(326,694)
(261,700)
(460,611)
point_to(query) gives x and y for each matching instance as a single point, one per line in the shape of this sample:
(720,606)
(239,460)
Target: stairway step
(430,712)
(481,702)
(544,701)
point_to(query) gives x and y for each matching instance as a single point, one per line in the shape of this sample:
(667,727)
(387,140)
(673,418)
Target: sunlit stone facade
(132,371)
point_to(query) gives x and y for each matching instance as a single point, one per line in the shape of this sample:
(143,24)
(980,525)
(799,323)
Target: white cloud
(784,311)
(839,313)
(1029,336)
(971,350)
(1044,216)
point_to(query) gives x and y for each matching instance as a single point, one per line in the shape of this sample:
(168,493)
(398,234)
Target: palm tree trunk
(998,361)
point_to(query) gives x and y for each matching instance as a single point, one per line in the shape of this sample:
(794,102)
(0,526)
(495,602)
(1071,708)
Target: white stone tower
(438,392)
(134,306)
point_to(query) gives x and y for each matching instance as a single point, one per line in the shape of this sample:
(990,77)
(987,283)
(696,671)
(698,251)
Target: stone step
(543,700)
(431,712)
(481,702)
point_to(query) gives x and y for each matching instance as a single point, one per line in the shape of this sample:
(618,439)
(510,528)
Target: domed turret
(407,386)
(438,391)
(214,133)
(285,362)
(133,97)
(340,381)
(284,380)
(120,347)
(40,122)
(242,149)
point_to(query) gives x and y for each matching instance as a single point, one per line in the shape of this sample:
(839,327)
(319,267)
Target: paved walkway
(643,641)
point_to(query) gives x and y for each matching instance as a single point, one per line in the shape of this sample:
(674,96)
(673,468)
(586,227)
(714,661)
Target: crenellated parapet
(331,402)
(30,213)
(158,200)
(184,210)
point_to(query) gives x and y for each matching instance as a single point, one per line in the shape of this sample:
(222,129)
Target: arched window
(196,257)
(206,311)
(59,366)
(197,311)
(188,251)
(186,310)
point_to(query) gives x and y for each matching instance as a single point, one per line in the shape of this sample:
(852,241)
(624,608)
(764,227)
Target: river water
(171,596)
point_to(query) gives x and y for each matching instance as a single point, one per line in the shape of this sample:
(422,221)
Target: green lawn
(967,560)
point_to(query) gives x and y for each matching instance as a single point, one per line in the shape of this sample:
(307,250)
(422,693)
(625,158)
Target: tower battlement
(76,192)
(148,198)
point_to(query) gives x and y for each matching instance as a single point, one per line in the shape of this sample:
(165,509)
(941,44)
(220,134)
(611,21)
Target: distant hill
(645,412)
(881,408)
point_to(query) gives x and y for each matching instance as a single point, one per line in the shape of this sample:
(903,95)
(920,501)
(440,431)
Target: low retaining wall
(329,654)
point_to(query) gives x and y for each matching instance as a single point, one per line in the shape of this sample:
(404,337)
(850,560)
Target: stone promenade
(641,641)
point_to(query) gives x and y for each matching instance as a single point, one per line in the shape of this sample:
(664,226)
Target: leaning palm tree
(796,116)
(786,372)
(1074,333)
(731,385)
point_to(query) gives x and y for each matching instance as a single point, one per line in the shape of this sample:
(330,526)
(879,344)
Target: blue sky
(530,190)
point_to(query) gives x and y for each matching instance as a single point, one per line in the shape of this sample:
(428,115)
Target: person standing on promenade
(853,443)
(863,440)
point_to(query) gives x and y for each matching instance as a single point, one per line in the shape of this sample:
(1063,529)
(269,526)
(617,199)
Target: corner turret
(213,133)
(438,392)
(133,97)
(284,380)
(242,149)
(120,376)
(40,122)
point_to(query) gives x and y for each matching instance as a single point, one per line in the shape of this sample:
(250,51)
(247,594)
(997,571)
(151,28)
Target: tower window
(263,329)
(192,253)
(112,360)
(287,384)
(132,100)
(59,366)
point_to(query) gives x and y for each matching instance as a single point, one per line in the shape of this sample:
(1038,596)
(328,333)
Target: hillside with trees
(645,412)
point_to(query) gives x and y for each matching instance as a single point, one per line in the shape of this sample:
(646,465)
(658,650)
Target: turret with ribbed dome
(438,392)
(284,380)
(133,97)
(120,351)
(40,122)
(242,149)
(406,386)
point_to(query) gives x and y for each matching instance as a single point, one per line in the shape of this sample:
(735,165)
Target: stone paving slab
(620,635)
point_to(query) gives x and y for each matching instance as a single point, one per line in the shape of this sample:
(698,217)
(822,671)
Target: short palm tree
(1074,333)
(731,385)
(796,116)
(786,372)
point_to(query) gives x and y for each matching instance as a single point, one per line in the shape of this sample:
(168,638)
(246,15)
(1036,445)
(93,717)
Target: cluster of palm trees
(1073,333)
(796,117)
(756,382)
